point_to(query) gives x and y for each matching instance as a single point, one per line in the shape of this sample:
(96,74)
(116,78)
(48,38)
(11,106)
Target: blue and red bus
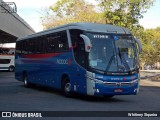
(86,58)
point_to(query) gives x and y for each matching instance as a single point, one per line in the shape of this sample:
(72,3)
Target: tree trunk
(142,65)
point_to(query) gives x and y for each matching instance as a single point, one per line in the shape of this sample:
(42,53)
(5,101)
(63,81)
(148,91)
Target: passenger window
(78,47)
(57,42)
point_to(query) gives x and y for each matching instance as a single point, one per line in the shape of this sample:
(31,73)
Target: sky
(151,19)
(31,11)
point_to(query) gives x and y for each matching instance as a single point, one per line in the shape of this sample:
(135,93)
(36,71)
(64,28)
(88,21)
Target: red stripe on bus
(42,56)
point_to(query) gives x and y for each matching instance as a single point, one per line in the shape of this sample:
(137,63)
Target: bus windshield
(113,53)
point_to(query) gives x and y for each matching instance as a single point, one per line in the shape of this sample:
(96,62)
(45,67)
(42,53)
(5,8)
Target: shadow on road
(149,89)
(75,96)
(10,86)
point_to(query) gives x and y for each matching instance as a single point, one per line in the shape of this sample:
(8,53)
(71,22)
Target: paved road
(15,97)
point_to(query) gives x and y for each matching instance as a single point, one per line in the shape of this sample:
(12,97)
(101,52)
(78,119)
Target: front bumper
(99,87)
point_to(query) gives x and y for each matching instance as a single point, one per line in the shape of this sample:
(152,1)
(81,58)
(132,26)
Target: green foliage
(68,11)
(151,46)
(124,13)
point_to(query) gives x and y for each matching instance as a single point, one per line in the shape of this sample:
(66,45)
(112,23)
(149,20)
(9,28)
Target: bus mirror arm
(139,45)
(87,42)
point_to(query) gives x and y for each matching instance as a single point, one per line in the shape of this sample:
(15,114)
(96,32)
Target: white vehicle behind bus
(7,62)
(7,59)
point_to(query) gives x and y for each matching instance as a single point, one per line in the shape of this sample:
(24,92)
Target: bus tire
(25,81)
(11,68)
(66,87)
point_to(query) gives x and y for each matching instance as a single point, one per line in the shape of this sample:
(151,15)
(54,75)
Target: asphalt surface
(15,97)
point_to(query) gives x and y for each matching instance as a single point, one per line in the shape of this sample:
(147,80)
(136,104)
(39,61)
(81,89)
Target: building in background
(12,26)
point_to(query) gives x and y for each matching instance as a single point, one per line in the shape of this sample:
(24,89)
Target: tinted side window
(42,44)
(24,46)
(18,48)
(62,41)
(78,47)
(34,45)
(57,42)
(50,43)
(31,46)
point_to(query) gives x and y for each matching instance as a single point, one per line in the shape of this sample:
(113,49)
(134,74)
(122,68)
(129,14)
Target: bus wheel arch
(66,85)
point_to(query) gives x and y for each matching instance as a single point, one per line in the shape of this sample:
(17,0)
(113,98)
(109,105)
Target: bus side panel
(49,71)
(77,78)
(53,69)
(19,67)
(80,80)
(64,64)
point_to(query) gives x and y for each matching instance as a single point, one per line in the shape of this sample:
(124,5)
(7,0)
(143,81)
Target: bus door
(80,57)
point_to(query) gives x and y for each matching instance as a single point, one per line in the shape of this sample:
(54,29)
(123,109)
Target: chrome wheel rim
(67,87)
(25,81)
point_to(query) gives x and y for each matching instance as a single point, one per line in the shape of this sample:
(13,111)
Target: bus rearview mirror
(87,42)
(139,45)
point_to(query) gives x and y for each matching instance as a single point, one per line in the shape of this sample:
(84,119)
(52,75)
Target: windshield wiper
(98,70)
(119,53)
(109,63)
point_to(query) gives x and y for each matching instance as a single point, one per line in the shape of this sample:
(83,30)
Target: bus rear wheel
(66,87)
(25,80)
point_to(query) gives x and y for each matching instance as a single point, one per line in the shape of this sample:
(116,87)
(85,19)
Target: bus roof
(92,27)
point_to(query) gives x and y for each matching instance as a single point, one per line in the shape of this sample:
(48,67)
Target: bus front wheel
(66,87)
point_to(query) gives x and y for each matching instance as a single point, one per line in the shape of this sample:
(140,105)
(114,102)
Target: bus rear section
(7,62)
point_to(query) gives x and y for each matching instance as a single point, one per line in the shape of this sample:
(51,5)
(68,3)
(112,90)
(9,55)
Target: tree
(151,46)
(67,11)
(124,13)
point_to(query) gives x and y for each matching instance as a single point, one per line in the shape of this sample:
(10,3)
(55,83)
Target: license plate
(118,90)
